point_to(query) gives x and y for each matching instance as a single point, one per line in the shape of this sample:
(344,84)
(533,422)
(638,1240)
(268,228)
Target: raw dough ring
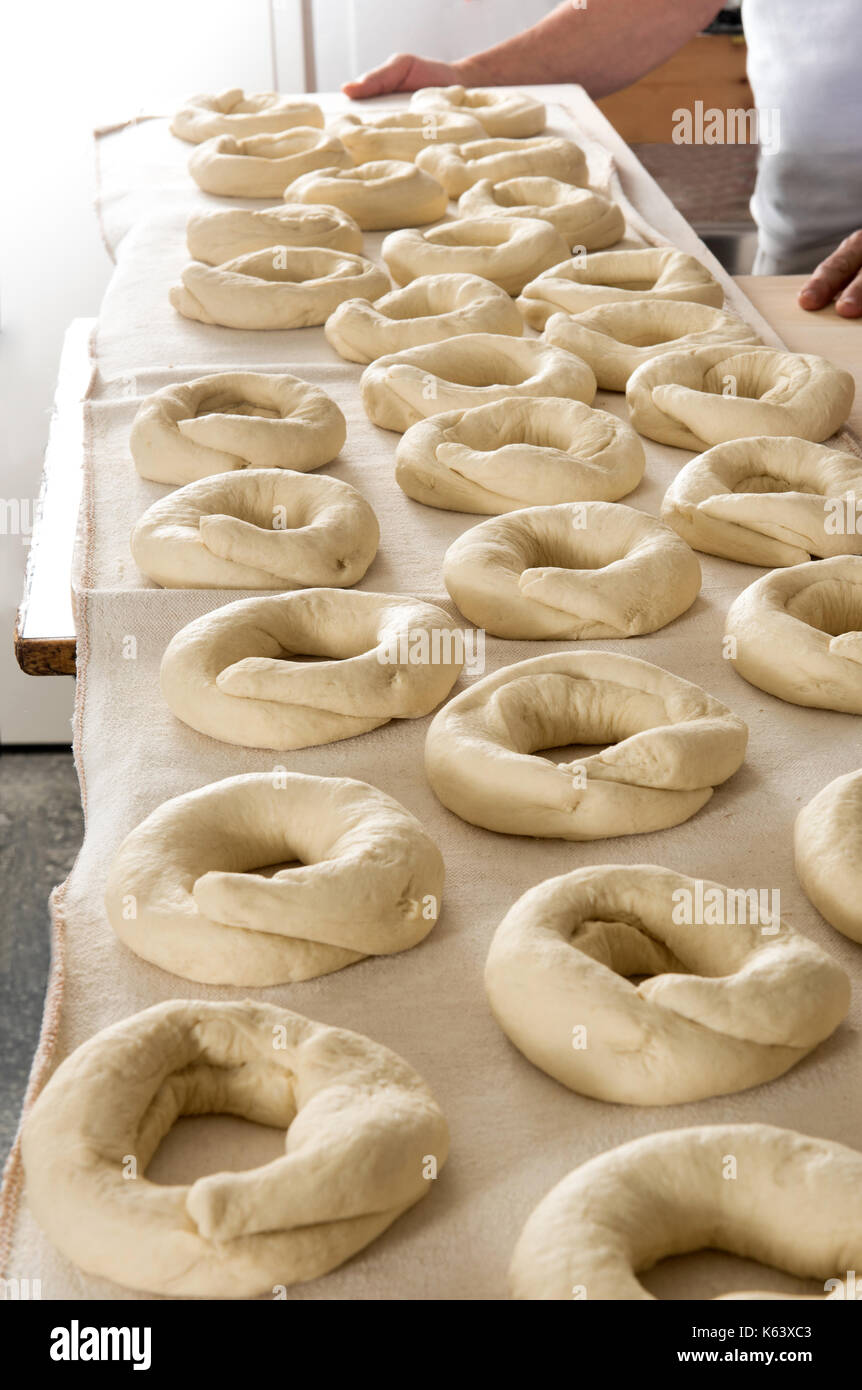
(458,167)
(282,287)
(704,396)
(506,250)
(233,113)
(262,528)
(428,310)
(231,420)
(231,674)
(516,452)
(615,339)
(798,634)
(513,115)
(827,841)
(796,1204)
(671,745)
(575,570)
(216,237)
(359,1123)
(471,370)
(766,501)
(725,1005)
(402,134)
(212,905)
(262,166)
(384,194)
(607,277)
(582,217)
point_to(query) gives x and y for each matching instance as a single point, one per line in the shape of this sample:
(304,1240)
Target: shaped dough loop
(216,237)
(233,113)
(506,250)
(402,134)
(261,166)
(513,115)
(381,195)
(827,841)
(608,277)
(458,167)
(583,217)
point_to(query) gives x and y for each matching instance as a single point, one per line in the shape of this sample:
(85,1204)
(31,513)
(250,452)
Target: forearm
(604,46)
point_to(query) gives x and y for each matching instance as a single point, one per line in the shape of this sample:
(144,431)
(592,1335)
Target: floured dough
(360,1125)
(797,634)
(262,528)
(383,194)
(233,113)
(216,237)
(518,451)
(827,841)
(402,134)
(232,420)
(428,310)
(768,500)
(511,114)
(791,1202)
(216,901)
(237,673)
(623,277)
(506,250)
(670,743)
(458,167)
(582,217)
(262,166)
(282,287)
(471,370)
(574,570)
(726,1003)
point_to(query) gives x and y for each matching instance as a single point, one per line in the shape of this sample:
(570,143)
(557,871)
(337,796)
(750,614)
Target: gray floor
(40,831)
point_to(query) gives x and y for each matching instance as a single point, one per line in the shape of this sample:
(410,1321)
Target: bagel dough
(233,113)
(474,369)
(216,237)
(582,217)
(232,673)
(513,115)
(378,196)
(359,1125)
(724,1005)
(263,528)
(213,905)
(518,451)
(262,166)
(458,167)
(428,310)
(506,250)
(615,339)
(768,500)
(827,841)
(670,743)
(797,634)
(574,570)
(795,1203)
(703,396)
(282,287)
(232,420)
(625,277)
(402,134)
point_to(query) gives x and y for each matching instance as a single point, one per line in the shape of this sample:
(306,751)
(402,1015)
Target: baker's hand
(403,72)
(839,277)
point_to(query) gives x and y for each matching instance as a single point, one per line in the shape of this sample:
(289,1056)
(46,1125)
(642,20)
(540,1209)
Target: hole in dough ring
(263,528)
(231,673)
(506,250)
(797,634)
(214,904)
(768,500)
(428,310)
(359,1121)
(795,1205)
(512,115)
(458,167)
(575,570)
(730,1000)
(216,237)
(703,396)
(672,745)
(608,277)
(402,134)
(518,451)
(282,287)
(233,113)
(261,166)
(232,420)
(378,196)
(615,339)
(827,842)
(468,371)
(581,216)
